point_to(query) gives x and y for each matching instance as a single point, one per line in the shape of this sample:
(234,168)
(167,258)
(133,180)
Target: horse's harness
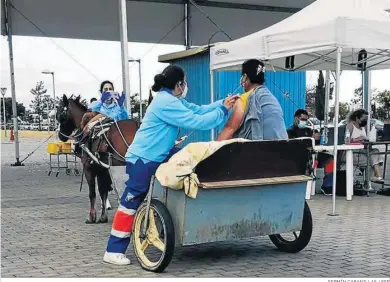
(98,133)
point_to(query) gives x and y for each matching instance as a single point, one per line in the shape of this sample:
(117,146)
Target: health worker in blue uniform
(153,144)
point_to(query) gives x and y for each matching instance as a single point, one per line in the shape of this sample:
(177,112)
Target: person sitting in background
(357,121)
(324,160)
(299,128)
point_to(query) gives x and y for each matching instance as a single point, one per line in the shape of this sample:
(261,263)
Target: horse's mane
(80,104)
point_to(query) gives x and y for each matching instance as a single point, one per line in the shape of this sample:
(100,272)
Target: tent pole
(12,72)
(212,99)
(336,130)
(124,53)
(365,89)
(368,95)
(187,38)
(327,92)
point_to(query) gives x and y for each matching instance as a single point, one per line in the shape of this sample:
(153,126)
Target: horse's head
(69,114)
(65,119)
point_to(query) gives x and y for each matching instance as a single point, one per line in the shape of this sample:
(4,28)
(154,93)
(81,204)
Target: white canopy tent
(312,36)
(327,35)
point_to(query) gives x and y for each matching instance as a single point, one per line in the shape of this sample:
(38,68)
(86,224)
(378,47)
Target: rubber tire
(303,238)
(163,212)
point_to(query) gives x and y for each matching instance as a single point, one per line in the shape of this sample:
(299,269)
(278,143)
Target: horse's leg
(108,204)
(90,176)
(104,182)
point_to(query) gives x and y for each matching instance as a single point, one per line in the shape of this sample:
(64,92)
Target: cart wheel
(76,172)
(300,240)
(154,253)
(68,171)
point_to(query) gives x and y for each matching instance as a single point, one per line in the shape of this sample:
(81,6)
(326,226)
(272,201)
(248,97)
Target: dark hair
(300,112)
(170,76)
(92,100)
(104,82)
(254,69)
(357,114)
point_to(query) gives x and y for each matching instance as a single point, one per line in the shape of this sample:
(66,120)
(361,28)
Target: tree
(381,113)
(20,109)
(315,98)
(320,97)
(135,105)
(37,104)
(28,116)
(383,99)
(331,114)
(343,111)
(357,98)
(310,99)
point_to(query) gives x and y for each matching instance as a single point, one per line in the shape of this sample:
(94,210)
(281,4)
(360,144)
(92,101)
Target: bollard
(12,135)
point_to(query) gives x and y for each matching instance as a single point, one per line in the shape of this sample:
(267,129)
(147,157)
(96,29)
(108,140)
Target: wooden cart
(247,190)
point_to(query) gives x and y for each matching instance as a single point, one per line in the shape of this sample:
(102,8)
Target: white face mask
(184,91)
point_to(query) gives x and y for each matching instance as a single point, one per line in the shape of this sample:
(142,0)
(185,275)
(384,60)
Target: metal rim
(152,237)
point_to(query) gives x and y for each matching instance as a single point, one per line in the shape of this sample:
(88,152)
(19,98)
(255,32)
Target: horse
(108,149)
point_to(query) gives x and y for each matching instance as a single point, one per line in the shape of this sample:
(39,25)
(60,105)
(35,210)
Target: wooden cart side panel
(224,214)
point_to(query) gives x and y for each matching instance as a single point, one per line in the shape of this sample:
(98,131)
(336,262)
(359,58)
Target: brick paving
(43,234)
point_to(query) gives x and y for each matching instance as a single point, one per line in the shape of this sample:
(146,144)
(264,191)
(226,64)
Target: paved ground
(44,235)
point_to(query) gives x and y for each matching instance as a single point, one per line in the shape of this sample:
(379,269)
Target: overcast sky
(102,60)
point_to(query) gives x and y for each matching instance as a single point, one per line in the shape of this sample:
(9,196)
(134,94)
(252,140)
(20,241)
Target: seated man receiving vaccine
(257,115)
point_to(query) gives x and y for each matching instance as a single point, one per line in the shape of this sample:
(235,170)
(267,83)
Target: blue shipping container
(288,87)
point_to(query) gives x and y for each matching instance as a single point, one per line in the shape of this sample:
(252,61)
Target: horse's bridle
(64,115)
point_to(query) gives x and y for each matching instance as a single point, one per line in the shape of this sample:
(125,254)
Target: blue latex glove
(121,99)
(105,96)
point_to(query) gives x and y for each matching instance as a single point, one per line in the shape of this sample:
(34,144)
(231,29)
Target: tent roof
(313,34)
(148,20)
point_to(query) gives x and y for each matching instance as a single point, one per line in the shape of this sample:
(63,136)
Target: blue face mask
(302,124)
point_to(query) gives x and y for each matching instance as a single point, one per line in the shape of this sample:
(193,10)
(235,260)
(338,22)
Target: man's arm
(315,134)
(233,122)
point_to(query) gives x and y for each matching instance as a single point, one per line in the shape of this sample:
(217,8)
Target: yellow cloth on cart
(178,172)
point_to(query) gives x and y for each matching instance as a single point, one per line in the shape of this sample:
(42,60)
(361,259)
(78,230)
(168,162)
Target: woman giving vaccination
(153,144)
